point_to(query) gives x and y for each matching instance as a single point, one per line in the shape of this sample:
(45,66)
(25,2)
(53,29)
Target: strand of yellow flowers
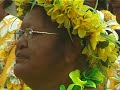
(81,20)
(7,46)
(10,60)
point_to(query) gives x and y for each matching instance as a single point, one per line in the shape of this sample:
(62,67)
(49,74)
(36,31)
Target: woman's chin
(23,71)
(18,70)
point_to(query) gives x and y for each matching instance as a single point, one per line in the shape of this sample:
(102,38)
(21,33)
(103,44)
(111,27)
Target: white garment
(7,28)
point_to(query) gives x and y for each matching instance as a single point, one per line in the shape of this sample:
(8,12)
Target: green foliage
(58,3)
(62,87)
(103,44)
(76,87)
(89,78)
(93,75)
(117,43)
(27,88)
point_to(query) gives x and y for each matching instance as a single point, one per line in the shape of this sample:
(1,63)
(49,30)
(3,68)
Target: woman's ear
(73,54)
(73,49)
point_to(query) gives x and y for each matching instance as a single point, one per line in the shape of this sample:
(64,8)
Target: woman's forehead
(32,17)
(36,20)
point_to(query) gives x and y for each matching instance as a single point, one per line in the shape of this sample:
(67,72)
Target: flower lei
(100,47)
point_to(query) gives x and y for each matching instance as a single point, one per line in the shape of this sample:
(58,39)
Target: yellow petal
(93,41)
(61,18)
(81,33)
(85,51)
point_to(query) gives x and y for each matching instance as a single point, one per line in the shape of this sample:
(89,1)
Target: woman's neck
(51,82)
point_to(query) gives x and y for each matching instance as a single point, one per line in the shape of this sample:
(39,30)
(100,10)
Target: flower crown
(100,47)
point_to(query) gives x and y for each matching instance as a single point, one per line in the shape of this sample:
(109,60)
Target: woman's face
(41,56)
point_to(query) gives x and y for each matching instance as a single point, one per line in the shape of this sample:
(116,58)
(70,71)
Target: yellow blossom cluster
(109,52)
(8,26)
(19,4)
(86,24)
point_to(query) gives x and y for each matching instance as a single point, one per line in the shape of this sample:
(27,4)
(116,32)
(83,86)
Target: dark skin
(45,61)
(116,9)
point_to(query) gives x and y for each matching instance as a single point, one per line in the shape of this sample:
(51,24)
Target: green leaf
(96,5)
(94,75)
(62,87)
(33,4)
(27,88)
(75,76)
(90,84)
(76,87)
(59,3)
(70,87)
(75,73)
(103,44)
(117,43)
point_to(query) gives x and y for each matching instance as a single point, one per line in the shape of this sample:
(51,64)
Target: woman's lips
(21,58)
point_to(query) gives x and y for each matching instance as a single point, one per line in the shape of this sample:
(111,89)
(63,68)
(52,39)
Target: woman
(53,55)
(45,55)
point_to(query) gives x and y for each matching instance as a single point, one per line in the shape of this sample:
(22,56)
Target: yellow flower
(40,1)
(20,11)
(94,39)
(61,18)
(19,2)
(108,53)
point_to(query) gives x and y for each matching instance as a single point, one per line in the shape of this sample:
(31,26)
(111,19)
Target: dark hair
(7,3)
(102,4)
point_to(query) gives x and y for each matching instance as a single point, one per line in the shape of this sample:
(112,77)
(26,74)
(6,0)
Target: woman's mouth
(21,58)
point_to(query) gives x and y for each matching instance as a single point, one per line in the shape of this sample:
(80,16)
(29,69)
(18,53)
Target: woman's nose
(22,43)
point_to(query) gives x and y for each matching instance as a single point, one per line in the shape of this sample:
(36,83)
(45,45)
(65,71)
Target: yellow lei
(7,45)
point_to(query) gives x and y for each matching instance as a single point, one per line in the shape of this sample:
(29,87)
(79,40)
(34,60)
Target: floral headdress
(100,47)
